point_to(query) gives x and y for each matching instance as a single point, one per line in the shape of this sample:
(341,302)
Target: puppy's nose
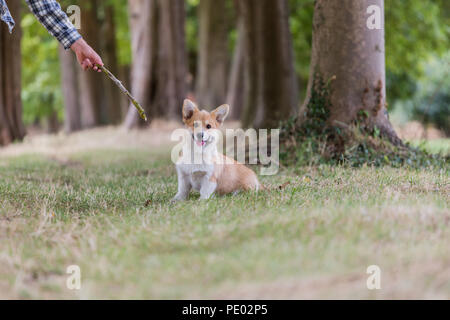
(200,135)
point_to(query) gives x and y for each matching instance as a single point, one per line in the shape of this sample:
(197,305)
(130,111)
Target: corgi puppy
(212,172)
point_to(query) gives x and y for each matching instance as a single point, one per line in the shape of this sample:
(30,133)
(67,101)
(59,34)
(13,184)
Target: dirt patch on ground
(397,283)
(57,146)
(414,130)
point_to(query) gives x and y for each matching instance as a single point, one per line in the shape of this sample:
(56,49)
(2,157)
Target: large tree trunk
(91,88)
(71,93)
(235,93)
(344,48)
(211,82)
(11,125)
(271,84)
(112,94)
(159,73)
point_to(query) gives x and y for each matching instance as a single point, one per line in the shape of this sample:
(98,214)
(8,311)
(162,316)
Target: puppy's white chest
(196,169)
(196,179)
(196,174)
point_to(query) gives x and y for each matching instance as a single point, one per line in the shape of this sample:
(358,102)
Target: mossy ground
(310,140)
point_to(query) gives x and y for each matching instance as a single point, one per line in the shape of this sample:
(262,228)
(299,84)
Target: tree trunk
(91,88)
(211,82)
(125,77)
(143,39)
(112,94)
(11,125)
(235,94)
(159,72)
(53,123)
(271,84)
(345,48)
(71,93)
(171,66)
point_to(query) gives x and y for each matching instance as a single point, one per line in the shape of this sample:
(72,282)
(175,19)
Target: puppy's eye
(208,126)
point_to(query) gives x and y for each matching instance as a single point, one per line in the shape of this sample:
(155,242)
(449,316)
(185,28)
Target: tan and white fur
(215,173)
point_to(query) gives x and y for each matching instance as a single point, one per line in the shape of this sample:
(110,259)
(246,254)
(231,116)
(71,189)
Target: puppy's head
(203,124)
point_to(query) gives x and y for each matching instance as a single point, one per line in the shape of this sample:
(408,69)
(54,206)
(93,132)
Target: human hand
(86,56)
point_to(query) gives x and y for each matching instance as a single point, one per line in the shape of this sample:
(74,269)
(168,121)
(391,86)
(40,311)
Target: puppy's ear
(221,113)
(188,109)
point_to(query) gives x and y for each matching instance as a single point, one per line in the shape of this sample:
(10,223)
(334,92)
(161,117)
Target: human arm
(55,20)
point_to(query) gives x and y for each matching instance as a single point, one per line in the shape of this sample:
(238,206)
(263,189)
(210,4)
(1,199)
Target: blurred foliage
(301,18)
(430,101)
(41,82)
(41,92)
(191,28)
(192,25)
(123,34)
(416,32)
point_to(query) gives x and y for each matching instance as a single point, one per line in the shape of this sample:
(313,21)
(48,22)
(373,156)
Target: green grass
(109,212)
(434,146)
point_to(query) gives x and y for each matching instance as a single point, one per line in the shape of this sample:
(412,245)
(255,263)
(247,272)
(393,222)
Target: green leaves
(41,88)
(416,32)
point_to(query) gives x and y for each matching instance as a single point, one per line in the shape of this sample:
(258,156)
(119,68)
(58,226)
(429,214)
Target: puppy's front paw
(207,197)
(178,198)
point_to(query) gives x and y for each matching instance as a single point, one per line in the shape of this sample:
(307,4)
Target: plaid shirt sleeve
(51,16)
(5,15)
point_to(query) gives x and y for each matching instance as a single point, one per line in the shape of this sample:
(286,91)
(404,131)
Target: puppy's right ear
(188,109)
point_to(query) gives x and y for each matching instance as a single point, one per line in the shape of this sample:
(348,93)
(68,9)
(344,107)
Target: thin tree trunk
(211,83)
(91,89)
(112,95)
(171,77)
(71,93)
(143,38)
(345,48)
(124,76)
(11,125)
(235,94)
(271,84)
(159,71)
(53,123)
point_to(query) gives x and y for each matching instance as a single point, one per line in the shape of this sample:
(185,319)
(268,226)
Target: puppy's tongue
(201,143)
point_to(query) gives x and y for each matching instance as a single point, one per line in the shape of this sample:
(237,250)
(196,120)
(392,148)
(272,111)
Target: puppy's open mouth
(202,143)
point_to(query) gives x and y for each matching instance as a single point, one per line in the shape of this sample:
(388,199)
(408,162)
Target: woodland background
(199,54)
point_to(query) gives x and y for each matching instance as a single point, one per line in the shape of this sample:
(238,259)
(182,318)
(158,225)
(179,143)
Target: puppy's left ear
(221,113)
(189,108)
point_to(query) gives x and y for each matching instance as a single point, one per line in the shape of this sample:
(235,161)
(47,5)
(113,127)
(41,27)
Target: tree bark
(345,48)
(211,82)
(171,66)
(71,93)
(91,88)
(142,15)
(112,95)
(159,73)
(271,84)
(11,125)
(235,93)
(125,77)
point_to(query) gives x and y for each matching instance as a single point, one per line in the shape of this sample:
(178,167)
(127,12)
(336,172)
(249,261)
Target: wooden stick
(125,91)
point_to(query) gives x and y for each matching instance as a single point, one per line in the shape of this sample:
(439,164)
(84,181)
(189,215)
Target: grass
(107,210)
(434,146)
